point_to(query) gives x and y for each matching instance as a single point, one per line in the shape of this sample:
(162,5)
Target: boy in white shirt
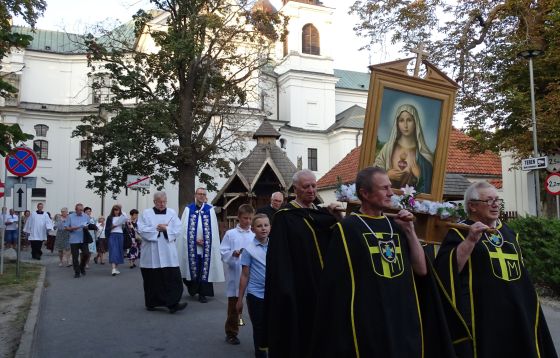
(233,243)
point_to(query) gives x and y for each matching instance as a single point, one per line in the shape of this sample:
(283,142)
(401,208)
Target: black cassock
(295,257)
(495,295)
(371,304)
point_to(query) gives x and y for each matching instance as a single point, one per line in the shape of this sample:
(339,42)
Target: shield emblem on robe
(504,260)
(386,254)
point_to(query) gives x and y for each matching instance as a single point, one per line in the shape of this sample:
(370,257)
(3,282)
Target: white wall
(347,98)
(518,188)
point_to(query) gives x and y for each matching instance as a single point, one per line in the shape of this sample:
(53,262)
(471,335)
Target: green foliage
(540,243)
(477,45)
(29,10)
(192,93)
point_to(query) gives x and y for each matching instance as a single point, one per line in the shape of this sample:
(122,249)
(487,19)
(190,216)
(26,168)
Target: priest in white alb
(199,248)
(37,226)
(159,228)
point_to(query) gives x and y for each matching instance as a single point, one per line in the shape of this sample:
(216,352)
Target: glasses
(490,202)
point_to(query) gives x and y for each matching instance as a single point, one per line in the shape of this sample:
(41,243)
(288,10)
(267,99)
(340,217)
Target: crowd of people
(318,284)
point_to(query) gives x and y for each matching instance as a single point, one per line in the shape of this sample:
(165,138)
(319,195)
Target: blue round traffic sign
(22,162)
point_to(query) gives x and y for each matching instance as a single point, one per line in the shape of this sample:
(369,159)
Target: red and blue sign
(22,162)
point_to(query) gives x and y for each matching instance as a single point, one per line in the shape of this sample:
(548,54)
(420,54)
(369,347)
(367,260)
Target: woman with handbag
(93,233)
(114,231)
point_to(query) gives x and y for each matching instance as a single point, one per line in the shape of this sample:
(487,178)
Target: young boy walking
(235,240)
(253,262)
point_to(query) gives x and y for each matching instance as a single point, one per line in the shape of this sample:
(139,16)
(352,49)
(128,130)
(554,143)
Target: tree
(29,10)
(478,46)
(177,108)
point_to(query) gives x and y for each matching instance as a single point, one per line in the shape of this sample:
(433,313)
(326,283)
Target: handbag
(87,236)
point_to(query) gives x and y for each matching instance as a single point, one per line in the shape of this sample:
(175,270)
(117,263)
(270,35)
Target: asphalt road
(100,315)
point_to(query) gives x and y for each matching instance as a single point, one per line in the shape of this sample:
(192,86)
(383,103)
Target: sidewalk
(101,315)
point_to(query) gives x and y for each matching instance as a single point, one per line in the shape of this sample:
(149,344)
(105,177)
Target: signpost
(138,182)
(20,163)
(552,186)
(534,163)
(2,186)
(553,163)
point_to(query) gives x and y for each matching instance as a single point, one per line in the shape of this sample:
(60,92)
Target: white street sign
(138,181)
(20,197)
(553,163)
(534,163)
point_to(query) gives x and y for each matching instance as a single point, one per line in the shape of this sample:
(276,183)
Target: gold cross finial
(419,51)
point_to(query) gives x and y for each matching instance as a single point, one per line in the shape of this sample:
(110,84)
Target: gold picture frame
(429,102)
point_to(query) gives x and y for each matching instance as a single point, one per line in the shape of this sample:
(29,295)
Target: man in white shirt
(235,240)
(11,235)
(159,228)
(37,226)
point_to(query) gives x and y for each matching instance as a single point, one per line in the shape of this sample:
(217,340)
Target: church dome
(263,5)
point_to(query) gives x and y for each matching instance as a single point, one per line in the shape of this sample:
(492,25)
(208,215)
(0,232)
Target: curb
(25,348)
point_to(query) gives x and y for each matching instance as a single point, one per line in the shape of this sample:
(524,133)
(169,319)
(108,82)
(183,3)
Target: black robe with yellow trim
(495,295)
(374,306)
(298,242)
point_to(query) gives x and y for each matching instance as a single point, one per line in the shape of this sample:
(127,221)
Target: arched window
(310,40)
(41,130)
(41,148)
(86,147)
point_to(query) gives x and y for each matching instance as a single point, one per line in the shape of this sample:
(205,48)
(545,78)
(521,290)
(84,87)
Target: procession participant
(75,224)
(11,234)
(114,233)
(276,201)
(159,228)
(233,243)
(375,284)
(251,281)
(485,277)
(298,241)
(36,227)
(199,248)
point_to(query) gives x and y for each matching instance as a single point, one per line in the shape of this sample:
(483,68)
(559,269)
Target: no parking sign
(22,162)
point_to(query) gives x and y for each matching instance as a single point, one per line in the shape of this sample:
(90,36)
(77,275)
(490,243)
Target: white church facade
(317,109)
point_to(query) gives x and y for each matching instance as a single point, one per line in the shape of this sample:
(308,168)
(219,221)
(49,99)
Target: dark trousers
(36,251)
(232,321)
(75,250)
(256,313)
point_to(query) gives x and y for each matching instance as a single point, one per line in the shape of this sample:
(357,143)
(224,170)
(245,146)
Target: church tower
(305,66)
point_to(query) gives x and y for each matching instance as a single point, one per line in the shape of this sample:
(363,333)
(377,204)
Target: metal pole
(535,147)
(137,198)
(2,244)
(18,256)
(558,206)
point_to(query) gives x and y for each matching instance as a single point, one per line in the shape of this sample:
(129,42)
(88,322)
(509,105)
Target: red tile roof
(459,161)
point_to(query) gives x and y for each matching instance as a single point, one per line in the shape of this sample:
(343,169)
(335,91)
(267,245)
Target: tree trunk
(186,185)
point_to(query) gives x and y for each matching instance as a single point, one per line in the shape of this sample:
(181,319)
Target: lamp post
(529,55)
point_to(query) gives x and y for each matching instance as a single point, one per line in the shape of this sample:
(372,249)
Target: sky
(77,15)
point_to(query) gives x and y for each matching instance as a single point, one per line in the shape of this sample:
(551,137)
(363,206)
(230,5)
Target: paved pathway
(101,315)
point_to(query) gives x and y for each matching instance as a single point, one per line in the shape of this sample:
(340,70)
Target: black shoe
(83,271)
(202,299)
(150,308)
(178,307)
(233,340)
(95,259)
(77,275)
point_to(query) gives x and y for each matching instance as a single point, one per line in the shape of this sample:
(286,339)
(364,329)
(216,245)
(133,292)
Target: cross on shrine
(419,51)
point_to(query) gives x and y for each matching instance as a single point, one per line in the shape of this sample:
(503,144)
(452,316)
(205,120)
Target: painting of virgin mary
(406,156)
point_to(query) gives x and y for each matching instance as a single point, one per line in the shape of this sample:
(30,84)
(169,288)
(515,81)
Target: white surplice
(234,239)
(157,251)
(37,226)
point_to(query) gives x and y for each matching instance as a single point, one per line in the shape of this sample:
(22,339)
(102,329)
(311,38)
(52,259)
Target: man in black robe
(276,201)
(484,275)
(298,242)
(377,296)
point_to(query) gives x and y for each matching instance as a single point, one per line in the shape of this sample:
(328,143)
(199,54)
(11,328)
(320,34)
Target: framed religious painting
(407,126)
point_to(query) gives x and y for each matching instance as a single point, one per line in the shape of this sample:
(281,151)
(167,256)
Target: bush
(540,244)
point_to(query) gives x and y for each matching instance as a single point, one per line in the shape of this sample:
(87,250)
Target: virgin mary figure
(406,156)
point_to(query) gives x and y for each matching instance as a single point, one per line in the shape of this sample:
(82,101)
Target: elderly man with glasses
(483,273)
